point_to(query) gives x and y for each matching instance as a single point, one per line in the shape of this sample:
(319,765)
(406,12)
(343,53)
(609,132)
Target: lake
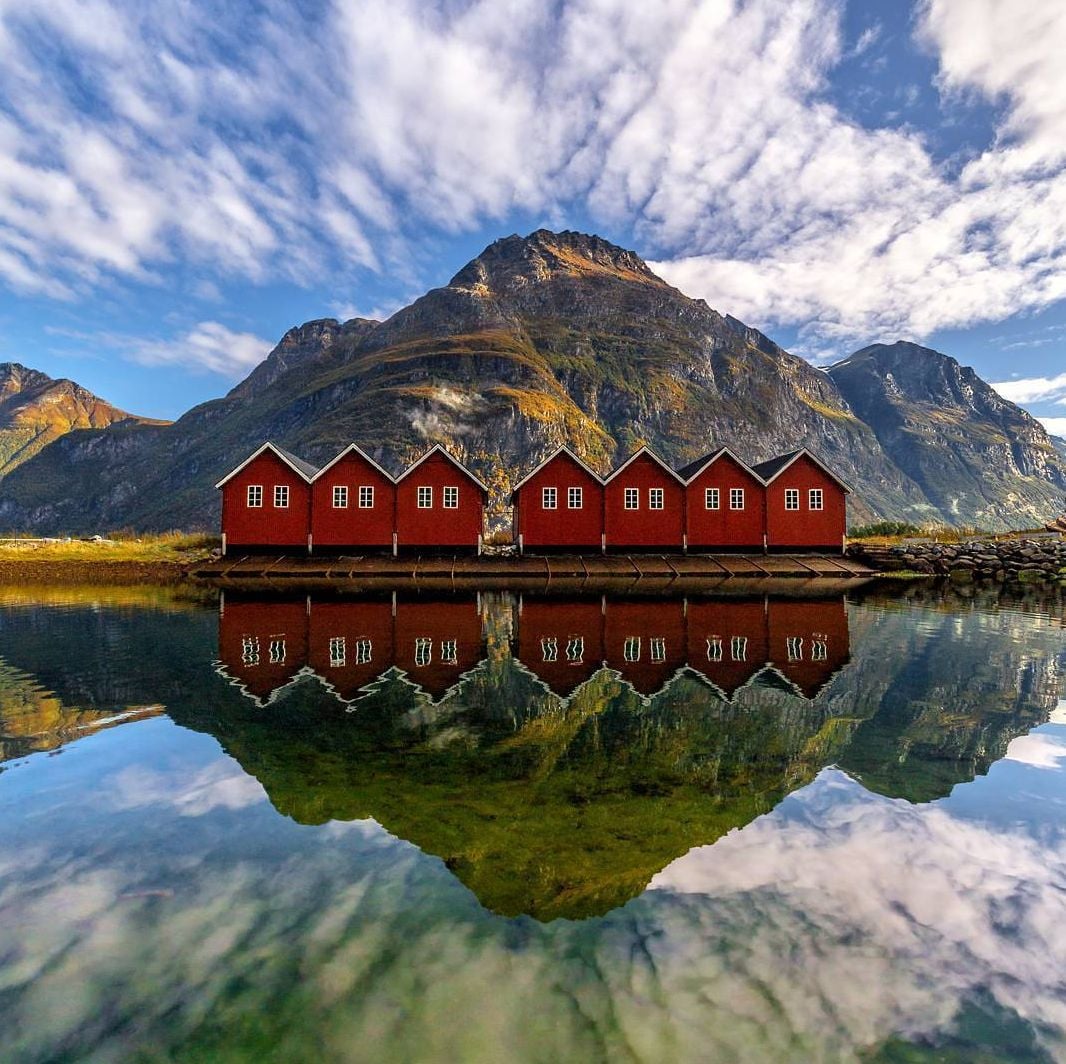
(503,827)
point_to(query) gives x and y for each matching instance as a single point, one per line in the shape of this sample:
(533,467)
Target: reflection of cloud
(1039,750)
(220,785)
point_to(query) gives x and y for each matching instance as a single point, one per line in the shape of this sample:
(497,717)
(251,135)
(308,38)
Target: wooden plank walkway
(690,572)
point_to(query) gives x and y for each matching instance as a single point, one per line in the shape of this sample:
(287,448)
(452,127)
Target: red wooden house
(350,644)
(725,503)
(266,501)
(561,641)
(644,640)
(439,503)
(436,643)
(728,641)
(262,644)
(644,504)
(353,503)
(806,505)
(559,504)
(809,641)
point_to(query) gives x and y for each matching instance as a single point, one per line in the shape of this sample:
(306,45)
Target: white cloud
(1055,425)
(207,346)
(1033,389)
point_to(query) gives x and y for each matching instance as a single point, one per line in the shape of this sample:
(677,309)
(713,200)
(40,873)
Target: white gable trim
(551,458)
(451,458)
(354,447)
(268,446)
(817,461)
(654,457)
(736,458)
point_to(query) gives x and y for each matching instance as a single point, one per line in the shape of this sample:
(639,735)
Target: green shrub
(885,528)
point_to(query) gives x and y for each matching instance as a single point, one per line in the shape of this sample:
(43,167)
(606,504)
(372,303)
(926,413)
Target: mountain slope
(973,453)
(35,410)
(540,340)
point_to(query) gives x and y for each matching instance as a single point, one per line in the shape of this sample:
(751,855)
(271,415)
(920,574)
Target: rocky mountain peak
(14,378)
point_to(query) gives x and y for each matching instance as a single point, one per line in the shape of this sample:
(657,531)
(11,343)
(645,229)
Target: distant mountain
(35,410)
(540,340)
(975,455)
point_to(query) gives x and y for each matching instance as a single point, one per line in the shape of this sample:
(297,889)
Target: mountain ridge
(538,341)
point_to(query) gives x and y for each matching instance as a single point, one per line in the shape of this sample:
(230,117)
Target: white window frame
(276,650)
(366,496)
(575,498)
(712,499)
(254,497)
(340,496)
(281,496)
(631,648)
(450,495)
(657,643)
(792,499)
(631,498)
(738,648)
(816,499)
(250,650)
(549,498)
(794,648)
(364,651)
(338,651)
(449,652)
(656,499)
(736,498)
(819,648)
(575,649)
(424,497)
(714,648)
(423,651)
(549,648)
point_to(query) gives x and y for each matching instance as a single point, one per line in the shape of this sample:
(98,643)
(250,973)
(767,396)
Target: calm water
(505,829)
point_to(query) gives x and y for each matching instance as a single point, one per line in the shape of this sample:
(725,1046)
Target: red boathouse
(806,505)
(644,504)
(353,503)
(559,504)
(725,503)
(439,503)
(266,501)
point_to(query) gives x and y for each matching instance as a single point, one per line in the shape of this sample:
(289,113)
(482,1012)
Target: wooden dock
(694,572)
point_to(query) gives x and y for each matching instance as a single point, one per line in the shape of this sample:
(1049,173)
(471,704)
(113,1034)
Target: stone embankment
(1019,561)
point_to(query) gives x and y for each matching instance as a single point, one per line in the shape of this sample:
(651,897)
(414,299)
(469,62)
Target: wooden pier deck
(724,572)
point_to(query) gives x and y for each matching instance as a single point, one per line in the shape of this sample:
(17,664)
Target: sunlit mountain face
(752,827)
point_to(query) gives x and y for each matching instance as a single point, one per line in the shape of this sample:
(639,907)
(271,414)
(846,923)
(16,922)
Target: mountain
(540,340)
(971,451)
(35,410)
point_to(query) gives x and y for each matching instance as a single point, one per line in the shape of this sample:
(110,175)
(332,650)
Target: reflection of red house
(559,504)
(809,640)
(262,644)
(644,503)
(805,503)
(439,503)
(436,642)
(728,641)
(561,641)
(725,503)
(350,643)
(353,502)
(645,641)
(266,501)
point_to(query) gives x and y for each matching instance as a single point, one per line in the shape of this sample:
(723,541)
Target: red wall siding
(561,527)
(725,527)
(547,628)
(352,526)
(268,526)
(438,527)
(805,527)
(820,641)
(246,631)
(643,527)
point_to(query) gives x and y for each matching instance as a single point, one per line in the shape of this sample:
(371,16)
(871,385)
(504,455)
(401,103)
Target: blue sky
(179,184)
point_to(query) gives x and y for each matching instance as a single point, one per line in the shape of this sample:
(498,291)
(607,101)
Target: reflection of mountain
(549,784)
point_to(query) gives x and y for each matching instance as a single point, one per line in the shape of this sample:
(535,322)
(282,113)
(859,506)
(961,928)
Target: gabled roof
(362,454)
(451,458)
(653,456)
(297,465)
(774,467)
(689,472)
(551,458)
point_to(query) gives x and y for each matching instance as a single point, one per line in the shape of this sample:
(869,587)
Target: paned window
(711,498)
(366,496)
(250,650)
(451,498)
(632,499)
(449,652)
(655,498)
(255,495)
(575,498)
(792,499)
(738,648)
(658,649)
(631,648)
(714,648)
(819,650)
(736,498)
(575,649)
(364,651)
(281,496)
(815,499)
(794,648)
(277,651)
(547,498)
(338,651)
(425,498)
(340,497)
(423,651)
(549,648)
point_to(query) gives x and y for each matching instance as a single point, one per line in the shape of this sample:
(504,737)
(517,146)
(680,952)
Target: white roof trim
(636,454)
(268,446)
(816,460)
(362,454)
(736,458)
(551,458)
(451,458)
